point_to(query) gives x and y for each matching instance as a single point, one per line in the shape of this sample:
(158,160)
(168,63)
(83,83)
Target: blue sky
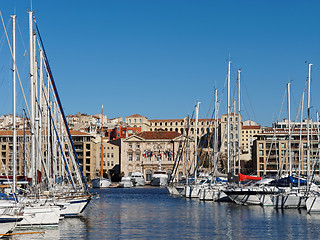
(157,58)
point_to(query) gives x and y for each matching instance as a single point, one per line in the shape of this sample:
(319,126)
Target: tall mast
(216,111)
(300,136)
(289,131)
(14,158)
(101,161)
(234,137)
(239,122)
(32,153)
(228,121)
(308,127)
(187,150)
(196,139)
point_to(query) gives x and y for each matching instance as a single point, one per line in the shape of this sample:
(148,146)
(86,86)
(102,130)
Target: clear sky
(158,57)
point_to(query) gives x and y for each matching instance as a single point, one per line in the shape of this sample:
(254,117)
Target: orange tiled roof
(10,133)
(158,135)
(135,115)
(250,127)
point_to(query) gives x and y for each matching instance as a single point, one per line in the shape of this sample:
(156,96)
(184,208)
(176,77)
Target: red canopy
(243,177)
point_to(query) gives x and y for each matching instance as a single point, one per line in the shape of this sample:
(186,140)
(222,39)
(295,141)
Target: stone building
(149,151)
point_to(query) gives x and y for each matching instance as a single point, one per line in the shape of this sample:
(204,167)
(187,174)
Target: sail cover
(243,177)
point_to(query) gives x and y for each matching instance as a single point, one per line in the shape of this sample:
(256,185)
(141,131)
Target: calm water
(150,213)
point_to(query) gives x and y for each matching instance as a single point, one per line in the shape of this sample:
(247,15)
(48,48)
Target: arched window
(176,130)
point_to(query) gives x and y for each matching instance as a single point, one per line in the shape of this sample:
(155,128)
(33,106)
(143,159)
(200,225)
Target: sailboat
(53,187)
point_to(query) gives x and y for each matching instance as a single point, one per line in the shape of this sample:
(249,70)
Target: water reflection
(150,213)
(70,228)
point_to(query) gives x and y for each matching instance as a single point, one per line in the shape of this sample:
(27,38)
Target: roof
(166,120)
(158,135)
(10,133)
(250,127)
(78,133)
(135,115)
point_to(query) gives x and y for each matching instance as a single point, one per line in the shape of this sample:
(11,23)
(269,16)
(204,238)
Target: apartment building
(110,158)
(249,130)
(271,151)
(137,120)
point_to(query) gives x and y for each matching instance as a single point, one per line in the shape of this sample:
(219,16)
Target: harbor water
(151,213)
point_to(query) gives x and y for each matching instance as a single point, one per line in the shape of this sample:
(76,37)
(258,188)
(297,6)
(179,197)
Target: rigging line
(244,86)
(24,46)
(283,100)
(17,72)
(60,105)
(300,105)
(3,36)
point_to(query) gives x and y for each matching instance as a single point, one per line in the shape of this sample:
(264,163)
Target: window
(260,145)
(140,120)
(111,163)
(130,156)
(130,145)
(137,157)
(111,155)
(260,152)
(138,146)
(108,155)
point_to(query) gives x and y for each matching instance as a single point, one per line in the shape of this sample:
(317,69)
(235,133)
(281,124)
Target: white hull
(125,184)
(289,201)
(73,207)
(192,191)
(8,223)
(101,183)
(313,204)
(177,190)
(159,181)
(40,216)
(212,194)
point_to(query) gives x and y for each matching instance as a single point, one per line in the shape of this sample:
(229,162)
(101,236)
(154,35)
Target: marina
(93,176)
(150,212)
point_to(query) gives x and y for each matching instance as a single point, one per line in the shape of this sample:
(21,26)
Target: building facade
(150,151)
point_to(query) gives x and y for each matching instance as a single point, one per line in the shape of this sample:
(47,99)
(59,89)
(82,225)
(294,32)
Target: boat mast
(216,111)
(239,129)
(234,137)
(308,127)
(228,122)
(196,139)
(32,153)
(318,137)
(289,131)
(14,158)
(187,150)
(300,137)
(101,161)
